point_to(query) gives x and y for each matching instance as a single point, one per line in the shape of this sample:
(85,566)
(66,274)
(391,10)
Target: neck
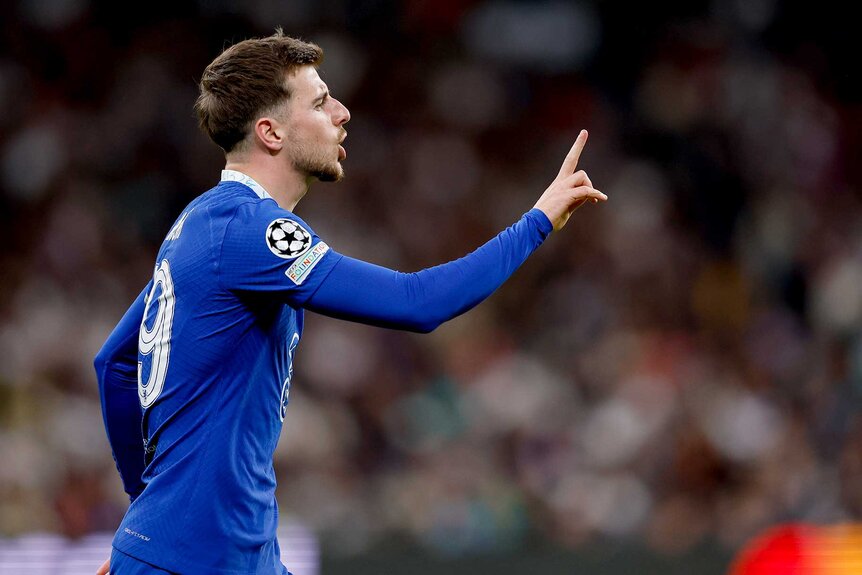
(286,186)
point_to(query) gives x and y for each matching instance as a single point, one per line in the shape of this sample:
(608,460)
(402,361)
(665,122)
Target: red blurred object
(800,549)
(780,550)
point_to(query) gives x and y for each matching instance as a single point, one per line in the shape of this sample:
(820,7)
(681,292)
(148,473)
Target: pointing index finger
(571,161)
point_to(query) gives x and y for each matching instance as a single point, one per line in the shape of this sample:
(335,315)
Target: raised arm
(359,291)
(366,293)
(117,373)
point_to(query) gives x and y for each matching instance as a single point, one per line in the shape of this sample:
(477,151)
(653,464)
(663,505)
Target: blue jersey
(195,379)
(222,321)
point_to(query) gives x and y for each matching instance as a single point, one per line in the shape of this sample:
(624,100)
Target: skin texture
(312,112)
(299,143)
(570,189)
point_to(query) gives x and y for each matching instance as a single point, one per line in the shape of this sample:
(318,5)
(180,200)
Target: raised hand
(570,189)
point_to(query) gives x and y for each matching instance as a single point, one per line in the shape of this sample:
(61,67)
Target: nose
(342,114)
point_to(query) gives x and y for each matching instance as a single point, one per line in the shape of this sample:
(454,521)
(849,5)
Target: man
(195,378)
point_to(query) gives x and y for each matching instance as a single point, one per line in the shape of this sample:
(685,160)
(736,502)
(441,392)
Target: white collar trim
(234,176)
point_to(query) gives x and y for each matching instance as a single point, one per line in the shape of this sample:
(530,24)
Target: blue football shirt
(200,365)
(222,321)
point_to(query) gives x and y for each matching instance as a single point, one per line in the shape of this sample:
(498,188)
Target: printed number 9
(154,342)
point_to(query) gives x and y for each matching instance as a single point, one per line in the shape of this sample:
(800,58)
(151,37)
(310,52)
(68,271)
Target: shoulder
(257,211)
(284,233)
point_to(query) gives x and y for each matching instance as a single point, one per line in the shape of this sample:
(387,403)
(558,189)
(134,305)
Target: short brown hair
(247,80)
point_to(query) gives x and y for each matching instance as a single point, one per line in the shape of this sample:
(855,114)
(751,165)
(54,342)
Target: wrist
(542,221)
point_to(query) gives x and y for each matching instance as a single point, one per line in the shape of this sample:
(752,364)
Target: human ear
(269,133)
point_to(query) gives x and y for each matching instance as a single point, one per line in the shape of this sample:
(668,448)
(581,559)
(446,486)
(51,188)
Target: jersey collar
(234,176)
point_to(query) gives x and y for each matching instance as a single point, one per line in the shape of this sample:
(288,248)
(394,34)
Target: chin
(331,173)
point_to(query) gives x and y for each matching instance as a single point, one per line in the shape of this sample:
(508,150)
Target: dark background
(678,370)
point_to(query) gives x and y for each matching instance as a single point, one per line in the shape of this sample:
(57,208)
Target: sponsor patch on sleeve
(299,270)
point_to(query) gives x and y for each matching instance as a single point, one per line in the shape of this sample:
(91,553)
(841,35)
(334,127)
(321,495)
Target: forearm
(366,293)
(117,374)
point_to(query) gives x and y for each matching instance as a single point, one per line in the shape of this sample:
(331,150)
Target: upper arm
(363,292)
(268,249)
(116,370)
(421,301)
(121,347)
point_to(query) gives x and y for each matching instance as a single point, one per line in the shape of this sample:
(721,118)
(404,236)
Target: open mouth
(342,153)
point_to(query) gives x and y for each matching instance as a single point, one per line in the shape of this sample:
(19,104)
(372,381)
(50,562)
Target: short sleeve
(267,249)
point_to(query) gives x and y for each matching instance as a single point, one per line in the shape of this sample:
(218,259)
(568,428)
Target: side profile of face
(315,126)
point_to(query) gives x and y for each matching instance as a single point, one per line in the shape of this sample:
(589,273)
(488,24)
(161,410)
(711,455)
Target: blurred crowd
(681,364)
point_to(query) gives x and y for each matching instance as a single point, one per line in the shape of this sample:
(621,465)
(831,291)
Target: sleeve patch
(300,269)
(287,239)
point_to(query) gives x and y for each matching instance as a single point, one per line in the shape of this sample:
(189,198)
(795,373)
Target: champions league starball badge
(287,239)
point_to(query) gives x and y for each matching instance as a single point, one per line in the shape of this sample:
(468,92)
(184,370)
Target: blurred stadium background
(676,373)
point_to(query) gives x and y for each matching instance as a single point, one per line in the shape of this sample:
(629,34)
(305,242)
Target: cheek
(311,134)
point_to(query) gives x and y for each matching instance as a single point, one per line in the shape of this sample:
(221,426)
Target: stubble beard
(314,163)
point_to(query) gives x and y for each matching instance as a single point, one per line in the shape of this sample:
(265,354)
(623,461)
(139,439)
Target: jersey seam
(224,237)
(222,242)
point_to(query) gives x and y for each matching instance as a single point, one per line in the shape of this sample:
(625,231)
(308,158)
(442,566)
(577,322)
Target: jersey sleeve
(267,249)
(117,374)
(358,291)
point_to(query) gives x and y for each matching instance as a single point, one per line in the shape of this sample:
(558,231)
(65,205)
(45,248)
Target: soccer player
(195,379)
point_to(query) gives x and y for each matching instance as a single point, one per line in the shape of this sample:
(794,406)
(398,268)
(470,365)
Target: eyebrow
(321,97)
